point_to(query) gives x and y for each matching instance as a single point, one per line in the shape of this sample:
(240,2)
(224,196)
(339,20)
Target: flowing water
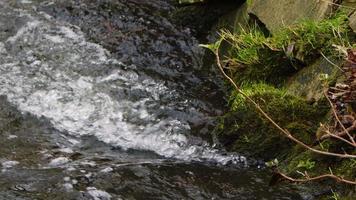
(103,99)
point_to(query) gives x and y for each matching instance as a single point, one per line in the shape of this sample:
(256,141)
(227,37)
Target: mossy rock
(254,55)
(308,82)
(244,130)
(315,165)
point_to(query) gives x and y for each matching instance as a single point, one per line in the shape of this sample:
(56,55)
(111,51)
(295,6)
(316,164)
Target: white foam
(9,164)
(30,26)
(10,137)
(88,163)
(48,77)
(2,48)
(59,161)
(54,38)
(69,33)
(107,170)
(26,1)
(98,194)
(71,168)
(66,150)
(68,186)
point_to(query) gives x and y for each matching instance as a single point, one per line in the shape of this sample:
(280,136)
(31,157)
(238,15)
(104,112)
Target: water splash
(49,69)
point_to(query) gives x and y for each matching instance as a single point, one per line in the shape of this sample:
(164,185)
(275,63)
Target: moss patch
(244,130)
(321,165)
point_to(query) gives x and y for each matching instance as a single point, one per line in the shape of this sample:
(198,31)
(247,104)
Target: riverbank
(285,55)
(108,100)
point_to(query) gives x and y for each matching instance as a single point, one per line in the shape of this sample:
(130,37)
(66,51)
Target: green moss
(245,45)
(243,129)
(314,164)
(322,165)
(256,56)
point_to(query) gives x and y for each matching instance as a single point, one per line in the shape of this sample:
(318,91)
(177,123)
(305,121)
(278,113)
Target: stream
(105,99)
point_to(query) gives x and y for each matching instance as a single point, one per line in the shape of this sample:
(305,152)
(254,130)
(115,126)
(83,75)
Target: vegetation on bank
(260,64)
(258,56)
(259,137)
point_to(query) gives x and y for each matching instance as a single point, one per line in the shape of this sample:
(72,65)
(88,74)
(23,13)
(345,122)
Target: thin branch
(329,61)
(265,115)
(329,134)
(338,119)
(338,5)
(341,90)
(324,176)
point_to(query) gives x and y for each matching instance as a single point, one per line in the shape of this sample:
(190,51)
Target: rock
(348,6)
(235,19)
(352,22)
(307,82)
(276,13)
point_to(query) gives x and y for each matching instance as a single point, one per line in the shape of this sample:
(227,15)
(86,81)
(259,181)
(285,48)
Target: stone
(352,22)
(276,13)
(348,6)
(308,83)
(236,19)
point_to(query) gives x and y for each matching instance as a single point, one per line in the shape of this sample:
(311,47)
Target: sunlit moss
(244,129)
(255,56)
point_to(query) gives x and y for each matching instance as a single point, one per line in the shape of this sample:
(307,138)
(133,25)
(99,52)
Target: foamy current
(49,69)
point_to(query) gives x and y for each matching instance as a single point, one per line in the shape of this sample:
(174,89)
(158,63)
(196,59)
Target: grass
(255,56)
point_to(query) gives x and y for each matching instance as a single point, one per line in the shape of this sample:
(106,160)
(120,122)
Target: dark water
(105,99)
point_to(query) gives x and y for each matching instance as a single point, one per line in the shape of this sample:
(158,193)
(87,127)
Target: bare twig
(329,61)
(338,5)
(338,119)
(324,176)
(338,89)
(329,134)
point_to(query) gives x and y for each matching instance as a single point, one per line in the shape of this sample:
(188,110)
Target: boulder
(278,13)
